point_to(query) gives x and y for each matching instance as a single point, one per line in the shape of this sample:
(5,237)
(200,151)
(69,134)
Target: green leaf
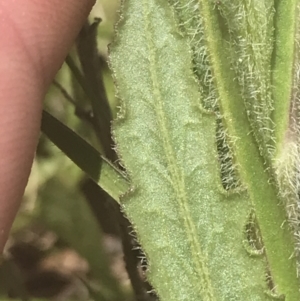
(278,241)
(108,177)
(190,230)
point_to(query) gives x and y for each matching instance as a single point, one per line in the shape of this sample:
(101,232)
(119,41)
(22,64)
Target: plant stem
(276,236)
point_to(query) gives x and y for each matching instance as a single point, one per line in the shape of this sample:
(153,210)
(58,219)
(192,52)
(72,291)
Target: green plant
(208,135)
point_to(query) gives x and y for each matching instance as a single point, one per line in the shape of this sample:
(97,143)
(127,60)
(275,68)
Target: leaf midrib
(177,178)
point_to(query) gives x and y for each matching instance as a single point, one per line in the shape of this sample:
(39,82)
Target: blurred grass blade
(85,156)
(78,75)
(95,95)
(92,70)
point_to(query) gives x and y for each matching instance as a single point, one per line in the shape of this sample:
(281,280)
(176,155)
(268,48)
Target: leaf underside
(191,230)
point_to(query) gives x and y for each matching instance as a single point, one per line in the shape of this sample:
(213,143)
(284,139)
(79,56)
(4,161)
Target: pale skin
(35,37)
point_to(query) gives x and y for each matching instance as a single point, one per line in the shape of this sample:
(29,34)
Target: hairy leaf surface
(190,230)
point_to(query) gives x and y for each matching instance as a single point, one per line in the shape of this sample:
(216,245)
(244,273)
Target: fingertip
(35,39)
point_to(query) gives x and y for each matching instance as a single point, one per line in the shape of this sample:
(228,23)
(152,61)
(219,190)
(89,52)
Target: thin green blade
(85,156)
